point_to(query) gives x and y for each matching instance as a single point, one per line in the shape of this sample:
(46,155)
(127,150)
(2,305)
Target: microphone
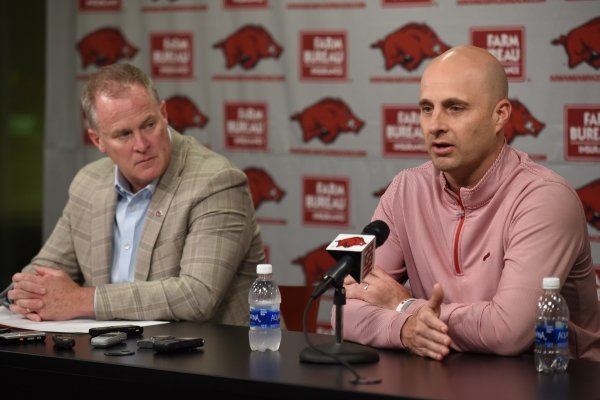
(355,255)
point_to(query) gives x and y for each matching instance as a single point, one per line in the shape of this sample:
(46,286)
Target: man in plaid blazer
(161,229)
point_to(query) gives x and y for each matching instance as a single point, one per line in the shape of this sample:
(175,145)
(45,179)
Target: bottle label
(552,335)
(264,318)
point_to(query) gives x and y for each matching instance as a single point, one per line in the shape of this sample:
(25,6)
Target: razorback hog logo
(262,186)
(315,263)
(351,241)
(247,46)
(326,119)
(183,114)
(521,122)
(409,46)
(104,46)
(582,44)
(590,199)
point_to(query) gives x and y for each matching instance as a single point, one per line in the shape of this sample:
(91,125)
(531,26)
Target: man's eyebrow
(453,100)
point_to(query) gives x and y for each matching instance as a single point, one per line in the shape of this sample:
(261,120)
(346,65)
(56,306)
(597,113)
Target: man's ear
(502,113)
(95,139)
(163,110)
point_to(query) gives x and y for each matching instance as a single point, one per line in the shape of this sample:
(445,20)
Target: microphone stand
(340,350)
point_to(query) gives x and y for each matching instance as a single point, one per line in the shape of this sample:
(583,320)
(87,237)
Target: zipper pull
(460,214)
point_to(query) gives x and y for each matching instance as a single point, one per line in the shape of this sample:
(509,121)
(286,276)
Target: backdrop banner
(317,100)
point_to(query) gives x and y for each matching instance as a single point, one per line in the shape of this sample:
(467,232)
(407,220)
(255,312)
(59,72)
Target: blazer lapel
(159,205)
(103,214)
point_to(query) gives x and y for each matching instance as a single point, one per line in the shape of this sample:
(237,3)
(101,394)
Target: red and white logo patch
(326,200)
(582,132)
(171,55)
(402,134)
(507,44)
(246,126)
(323,55)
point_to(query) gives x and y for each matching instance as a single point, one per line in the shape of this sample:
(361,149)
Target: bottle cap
(551,283)
(264,269)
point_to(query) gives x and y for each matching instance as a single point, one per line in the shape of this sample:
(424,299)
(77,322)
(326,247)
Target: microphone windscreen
(379,229)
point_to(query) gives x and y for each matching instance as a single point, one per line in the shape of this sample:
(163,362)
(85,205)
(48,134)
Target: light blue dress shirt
(128,226)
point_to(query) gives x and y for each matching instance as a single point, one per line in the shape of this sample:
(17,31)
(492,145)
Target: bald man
(474,230)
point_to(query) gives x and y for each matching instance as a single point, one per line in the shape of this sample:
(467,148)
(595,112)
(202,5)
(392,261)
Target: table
(227,367)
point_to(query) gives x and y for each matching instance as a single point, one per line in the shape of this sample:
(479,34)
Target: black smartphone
(178,344)
(130,330)
(148,343)
(108,339)
(22,337)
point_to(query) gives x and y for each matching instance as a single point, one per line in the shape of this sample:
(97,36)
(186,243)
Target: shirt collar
(123,188)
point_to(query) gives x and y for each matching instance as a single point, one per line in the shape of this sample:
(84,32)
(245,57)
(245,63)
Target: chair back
(293,302)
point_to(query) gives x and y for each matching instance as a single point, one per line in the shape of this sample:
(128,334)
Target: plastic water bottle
(264,299)
(551,352)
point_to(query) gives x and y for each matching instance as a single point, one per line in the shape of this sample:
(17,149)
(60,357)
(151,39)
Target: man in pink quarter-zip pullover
(474,231)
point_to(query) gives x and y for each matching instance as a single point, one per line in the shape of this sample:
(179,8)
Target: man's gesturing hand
(424,333)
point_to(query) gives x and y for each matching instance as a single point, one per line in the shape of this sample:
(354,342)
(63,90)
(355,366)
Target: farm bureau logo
(326,200)
(246,126)
(582,132)
(402,134)
(172,55)
(507,45)
(323,55)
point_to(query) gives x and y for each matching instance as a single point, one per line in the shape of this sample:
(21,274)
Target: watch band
(404,304)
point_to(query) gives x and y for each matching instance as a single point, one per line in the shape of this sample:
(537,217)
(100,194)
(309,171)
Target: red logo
(409,46)
(263,187)
(590,198)
(247,46)
(246,126)
(402,134)
(183,113)
(104,46)
(582,132)
(326,119)
(351,241)
(507,44)
(326,201)
(582,44)
(521,122)
(323,55)
(315,264)
(171,55)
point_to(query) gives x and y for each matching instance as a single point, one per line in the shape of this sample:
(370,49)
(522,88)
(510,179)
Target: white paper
(72,326)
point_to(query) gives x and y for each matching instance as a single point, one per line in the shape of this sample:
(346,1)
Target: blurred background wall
(22,93)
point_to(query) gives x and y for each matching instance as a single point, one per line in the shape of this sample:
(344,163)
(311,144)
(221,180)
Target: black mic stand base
(350,352)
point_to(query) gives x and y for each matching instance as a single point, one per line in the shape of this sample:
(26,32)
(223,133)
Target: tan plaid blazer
(198,251)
